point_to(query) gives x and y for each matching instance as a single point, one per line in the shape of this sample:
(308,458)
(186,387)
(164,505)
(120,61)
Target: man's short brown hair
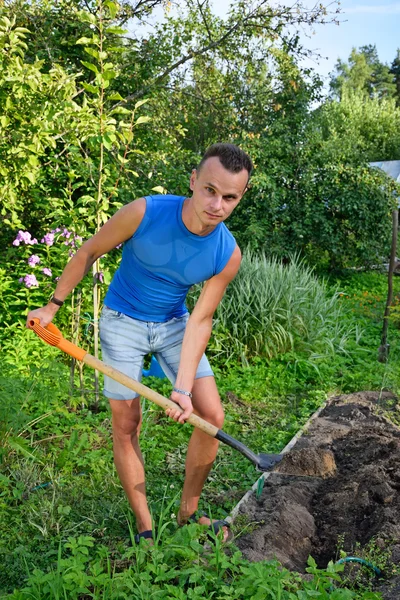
(231,157)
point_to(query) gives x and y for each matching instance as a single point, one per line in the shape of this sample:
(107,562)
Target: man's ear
(248,187)
(193,178)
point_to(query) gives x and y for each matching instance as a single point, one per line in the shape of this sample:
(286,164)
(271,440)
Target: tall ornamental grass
(271,309)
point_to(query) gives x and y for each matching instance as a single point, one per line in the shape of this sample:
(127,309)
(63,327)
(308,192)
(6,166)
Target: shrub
(271,308)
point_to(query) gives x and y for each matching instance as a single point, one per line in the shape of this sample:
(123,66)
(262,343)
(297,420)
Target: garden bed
(337,489)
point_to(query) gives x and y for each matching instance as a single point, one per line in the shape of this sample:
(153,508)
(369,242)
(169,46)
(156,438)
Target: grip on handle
(53,336)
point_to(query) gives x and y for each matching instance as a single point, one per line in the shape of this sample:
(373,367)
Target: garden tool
(53,336)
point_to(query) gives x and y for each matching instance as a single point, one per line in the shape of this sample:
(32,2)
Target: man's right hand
(186,405)
(45,314)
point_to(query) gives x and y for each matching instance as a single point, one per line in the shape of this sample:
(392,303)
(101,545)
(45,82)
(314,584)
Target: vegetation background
(91,118)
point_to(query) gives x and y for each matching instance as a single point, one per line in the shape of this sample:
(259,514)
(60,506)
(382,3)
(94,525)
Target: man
(170,243)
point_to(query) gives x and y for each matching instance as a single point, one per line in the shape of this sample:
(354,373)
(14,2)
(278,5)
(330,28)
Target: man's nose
(217,202)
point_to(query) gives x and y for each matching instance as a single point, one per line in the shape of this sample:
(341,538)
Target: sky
(362,22)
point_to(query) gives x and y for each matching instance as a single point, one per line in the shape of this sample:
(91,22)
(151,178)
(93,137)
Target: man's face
(216,191)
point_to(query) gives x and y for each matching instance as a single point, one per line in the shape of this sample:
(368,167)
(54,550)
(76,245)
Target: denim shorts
(126,341)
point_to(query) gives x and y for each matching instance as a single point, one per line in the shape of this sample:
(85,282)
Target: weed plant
(86,570)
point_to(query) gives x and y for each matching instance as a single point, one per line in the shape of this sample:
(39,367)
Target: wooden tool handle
(148,393)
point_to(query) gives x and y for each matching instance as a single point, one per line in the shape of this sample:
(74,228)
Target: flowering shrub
(37,266)
(64,244)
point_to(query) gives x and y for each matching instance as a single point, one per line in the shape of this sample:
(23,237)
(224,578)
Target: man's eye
(209,190)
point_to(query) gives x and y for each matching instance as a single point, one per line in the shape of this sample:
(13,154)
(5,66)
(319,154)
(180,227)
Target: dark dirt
(337,489)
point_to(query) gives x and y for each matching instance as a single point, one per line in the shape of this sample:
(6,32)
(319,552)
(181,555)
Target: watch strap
(183,392)
(55,300)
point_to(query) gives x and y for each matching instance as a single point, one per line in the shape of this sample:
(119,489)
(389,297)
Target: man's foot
(216,526)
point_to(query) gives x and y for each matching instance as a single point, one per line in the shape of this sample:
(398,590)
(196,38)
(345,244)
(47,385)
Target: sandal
(147,535)
(214,528)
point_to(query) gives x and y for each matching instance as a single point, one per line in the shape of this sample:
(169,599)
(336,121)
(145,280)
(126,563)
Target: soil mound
(338,488)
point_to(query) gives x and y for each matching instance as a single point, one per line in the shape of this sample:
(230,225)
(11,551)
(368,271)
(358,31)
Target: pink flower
(33,260)
(48,239)
(47,272)
(24,236)
(30,281)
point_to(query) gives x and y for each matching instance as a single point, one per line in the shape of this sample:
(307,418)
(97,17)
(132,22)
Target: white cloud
(378,9)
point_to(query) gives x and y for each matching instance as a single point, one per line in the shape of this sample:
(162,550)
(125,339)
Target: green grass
(57,479)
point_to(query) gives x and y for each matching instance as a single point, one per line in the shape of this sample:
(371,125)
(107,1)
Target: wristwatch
(55,300)
(183,392)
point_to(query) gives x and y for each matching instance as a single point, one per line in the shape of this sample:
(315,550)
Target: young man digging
(170,243)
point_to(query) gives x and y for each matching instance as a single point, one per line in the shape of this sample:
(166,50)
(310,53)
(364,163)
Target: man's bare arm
(117,230)
(198,332)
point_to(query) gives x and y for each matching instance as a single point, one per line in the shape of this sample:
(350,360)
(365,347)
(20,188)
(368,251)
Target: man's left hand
(185,403)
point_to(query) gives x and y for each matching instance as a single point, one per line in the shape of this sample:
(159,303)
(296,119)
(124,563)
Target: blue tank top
(162,260)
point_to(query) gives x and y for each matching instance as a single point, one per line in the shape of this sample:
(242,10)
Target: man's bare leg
(126,421)
(202,448)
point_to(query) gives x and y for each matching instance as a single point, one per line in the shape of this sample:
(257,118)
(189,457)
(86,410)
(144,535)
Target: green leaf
(84,40)
(128,135)
(159,189)
(116,30)
(108,75)
(107,277)
(87,17)
(92,52)
(142,119)
(137,151)
(116,96)
(90,88)
(141,102)
(86,199)
(107,141)
(30,176)
(120,110)
(112,7)
(90,66)
(21,445)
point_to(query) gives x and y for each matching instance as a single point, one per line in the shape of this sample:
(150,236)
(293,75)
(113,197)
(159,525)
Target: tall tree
(363,72)
(395,71)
